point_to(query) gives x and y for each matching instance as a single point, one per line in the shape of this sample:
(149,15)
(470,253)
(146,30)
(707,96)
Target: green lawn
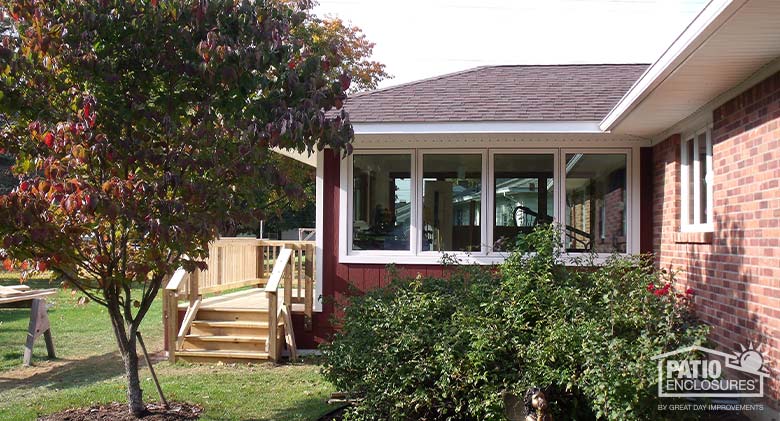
(89,371)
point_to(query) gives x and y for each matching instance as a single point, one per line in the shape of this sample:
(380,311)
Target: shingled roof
(579,92)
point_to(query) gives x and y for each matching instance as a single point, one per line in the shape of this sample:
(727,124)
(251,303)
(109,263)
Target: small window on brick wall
(696,178)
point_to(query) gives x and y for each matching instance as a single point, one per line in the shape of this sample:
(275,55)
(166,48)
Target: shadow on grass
(71,373)
(311,408)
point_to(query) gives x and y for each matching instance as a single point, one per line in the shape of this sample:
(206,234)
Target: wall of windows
(420,203)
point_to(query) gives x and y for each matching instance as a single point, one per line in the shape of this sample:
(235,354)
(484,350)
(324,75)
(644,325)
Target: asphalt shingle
(577,92)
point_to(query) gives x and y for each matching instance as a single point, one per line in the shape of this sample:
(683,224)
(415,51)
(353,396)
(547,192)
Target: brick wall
(736,272)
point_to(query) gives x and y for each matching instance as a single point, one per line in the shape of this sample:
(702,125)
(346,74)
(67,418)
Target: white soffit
(727,43)
(304,157)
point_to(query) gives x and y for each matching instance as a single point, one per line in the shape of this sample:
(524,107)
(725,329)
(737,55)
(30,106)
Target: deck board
(254,298)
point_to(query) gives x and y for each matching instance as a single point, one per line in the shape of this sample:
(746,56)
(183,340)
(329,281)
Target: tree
(141,129)
(354,49)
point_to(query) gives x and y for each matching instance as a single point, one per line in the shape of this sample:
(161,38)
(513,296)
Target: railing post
(309,292)
(260,261)
(273,326)
(288,278)
(171,319)
(193,281)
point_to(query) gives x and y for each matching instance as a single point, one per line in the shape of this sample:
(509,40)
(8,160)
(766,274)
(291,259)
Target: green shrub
(431,348)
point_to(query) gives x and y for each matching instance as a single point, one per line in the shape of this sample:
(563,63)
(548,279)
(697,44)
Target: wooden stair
(226,335)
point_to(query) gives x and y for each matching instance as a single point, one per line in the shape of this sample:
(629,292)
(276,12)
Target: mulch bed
(118,412)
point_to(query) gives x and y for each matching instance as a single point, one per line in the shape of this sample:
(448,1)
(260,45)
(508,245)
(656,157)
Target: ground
(88,370)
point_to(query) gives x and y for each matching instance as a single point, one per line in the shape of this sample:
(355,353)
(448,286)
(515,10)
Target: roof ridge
(474,69)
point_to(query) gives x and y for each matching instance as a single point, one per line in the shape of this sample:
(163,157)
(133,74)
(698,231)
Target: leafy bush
(430,348)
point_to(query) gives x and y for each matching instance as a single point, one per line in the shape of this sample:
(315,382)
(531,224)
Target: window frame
(555,152)
(350,209)
(483,249)
(685,194)
(629,202)
(486,255)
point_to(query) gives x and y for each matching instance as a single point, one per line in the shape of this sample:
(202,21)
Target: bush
(431,348)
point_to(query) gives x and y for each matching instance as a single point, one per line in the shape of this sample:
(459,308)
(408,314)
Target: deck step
(231,323)
(232,314)
(229,328)
(227,338)
(205,355)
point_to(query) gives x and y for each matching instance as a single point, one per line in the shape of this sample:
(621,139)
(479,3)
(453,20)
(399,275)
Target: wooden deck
(249,299)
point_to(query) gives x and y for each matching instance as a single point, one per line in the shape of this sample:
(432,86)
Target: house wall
(735,270)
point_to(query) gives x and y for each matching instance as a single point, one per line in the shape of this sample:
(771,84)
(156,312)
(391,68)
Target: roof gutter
(706,23)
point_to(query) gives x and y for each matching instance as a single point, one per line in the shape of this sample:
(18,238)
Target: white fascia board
(477,127)
(706,23)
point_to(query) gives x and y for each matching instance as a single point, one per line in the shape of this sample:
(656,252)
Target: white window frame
(686,225)
(492,180)
(349,206)
(486,255)
(632,185)
(483,250)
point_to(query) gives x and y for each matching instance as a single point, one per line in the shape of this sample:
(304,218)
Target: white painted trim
(477,127)
(346,213)
(319,226)
(715,14)
(482,202)
(496,140)
(632,195)
(685,224)
(491,211)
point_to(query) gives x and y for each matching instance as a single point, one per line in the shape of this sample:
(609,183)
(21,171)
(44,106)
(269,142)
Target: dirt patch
(118,412)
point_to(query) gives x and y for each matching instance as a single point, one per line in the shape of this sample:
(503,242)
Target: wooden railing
(240,262)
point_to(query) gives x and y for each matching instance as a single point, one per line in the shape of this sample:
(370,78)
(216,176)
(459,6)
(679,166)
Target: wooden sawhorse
(19,296)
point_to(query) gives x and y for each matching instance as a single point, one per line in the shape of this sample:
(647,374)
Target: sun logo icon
(750,359)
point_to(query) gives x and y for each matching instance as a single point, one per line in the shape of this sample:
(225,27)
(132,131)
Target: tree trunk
(125,337)
(134,393)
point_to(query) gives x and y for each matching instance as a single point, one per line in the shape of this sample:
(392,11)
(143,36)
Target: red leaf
(8,264)
(154,3)
(42,266)
(48,139)
(87,109)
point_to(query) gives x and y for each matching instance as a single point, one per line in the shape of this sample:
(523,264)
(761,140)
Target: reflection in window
(452,192)
(523,195)
(381,197)
(595,201)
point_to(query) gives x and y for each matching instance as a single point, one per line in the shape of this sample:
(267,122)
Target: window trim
(685,161)
(492,180)
(487,255)
(629,203)
(483,250)
(350,209)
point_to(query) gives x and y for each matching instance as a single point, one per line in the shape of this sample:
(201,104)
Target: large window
(697,182)
(409,206)
(452,200)
(595,203)
(381,202)
(523,195)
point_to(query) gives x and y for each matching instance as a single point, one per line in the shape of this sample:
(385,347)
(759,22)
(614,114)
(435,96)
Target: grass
(88,370)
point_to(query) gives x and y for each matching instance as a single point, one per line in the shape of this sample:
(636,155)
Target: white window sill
(436,259)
